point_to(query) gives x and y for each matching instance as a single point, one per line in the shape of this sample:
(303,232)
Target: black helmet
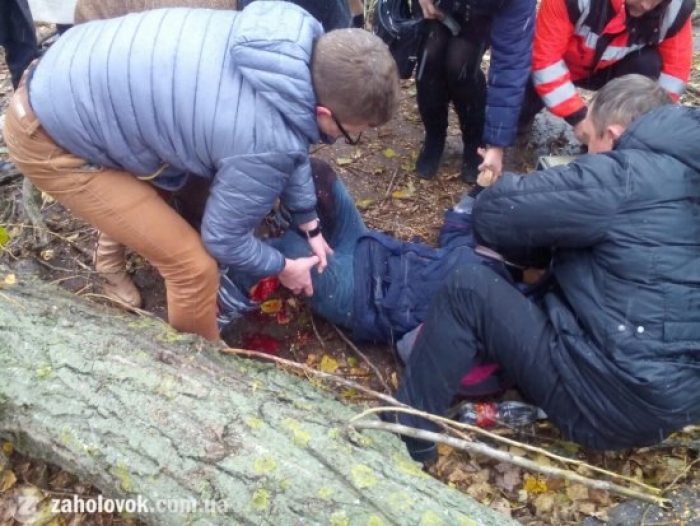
(394,23)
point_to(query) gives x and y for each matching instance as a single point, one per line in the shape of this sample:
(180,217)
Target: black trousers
(646,61)
(479,316)
(449,70)
(18,37)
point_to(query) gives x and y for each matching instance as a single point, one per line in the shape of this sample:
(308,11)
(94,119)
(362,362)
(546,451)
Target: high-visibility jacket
(576,38)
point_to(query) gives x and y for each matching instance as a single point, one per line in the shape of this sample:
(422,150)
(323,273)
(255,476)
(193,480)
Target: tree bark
(136,409)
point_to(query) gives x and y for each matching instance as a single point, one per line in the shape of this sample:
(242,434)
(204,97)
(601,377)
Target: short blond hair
(355,77)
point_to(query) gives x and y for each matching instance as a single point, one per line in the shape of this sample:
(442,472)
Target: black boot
(428,160)
(471,113)
(470,163)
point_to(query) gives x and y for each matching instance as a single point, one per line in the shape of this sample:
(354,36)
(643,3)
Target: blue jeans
(334,288)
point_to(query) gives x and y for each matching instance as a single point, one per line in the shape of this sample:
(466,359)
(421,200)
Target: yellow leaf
(534,484)
(364,203)
(344,161)
(7,448)
(352,361)
(401,194)
(47,254)
(10,279)
(4,236)
(7,480)
(389,153)
(328,364)
(271,306)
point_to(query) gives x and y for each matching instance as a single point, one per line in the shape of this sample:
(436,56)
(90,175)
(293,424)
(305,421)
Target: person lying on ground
(117,108)
(376,286)
(611,350)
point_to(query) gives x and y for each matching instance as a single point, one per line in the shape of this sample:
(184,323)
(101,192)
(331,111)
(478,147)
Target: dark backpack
(394,23)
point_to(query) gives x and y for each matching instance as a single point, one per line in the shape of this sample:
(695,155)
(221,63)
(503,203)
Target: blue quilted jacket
(217,94)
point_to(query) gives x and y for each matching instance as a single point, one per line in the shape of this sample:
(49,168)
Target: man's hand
(318,244)
(582,133)
(430,11)
(296,275)
(493,161)
(321,250)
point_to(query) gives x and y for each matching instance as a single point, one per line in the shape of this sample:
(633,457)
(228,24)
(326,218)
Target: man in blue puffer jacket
(117,107)
(612,351)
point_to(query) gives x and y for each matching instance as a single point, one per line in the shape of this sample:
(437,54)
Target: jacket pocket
(676,331)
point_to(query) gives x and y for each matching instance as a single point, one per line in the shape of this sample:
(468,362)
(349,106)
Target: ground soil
(379,174)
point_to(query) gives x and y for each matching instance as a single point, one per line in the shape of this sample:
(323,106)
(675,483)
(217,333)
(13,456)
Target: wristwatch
(310,233)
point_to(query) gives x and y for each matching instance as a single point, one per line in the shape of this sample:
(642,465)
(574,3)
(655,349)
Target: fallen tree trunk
(137,410)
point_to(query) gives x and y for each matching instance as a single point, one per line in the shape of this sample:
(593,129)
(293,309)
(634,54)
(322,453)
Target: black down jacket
(624,227)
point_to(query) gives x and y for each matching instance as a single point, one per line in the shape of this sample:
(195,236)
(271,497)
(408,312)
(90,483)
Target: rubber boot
(110,264)
(433,105)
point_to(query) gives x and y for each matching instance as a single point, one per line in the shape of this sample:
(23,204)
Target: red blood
(264,288)
(485,415)
(262,343)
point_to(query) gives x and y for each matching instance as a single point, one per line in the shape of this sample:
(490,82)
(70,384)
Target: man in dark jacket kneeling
(611,350)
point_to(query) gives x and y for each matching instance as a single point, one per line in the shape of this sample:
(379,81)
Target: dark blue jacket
(395,280)
(625,227)
(512,35)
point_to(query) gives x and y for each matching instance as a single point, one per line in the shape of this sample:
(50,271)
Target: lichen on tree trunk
(135,409)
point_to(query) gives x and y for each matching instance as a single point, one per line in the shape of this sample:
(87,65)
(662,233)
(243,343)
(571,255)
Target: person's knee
(204,271)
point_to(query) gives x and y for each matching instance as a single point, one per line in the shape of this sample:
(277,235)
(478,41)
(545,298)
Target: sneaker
(428,160)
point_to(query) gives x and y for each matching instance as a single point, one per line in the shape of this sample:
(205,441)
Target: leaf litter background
(378,174)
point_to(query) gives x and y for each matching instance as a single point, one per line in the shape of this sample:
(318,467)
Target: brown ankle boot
(110,264)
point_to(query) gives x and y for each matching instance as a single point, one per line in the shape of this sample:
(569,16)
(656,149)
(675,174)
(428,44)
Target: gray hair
(625,99)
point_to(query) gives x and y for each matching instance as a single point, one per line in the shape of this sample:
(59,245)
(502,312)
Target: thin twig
(320,374)
(364,357)
(666,490)
(33,213)
(504,456)
(53,267)
(120,304)
(455,425)
(681,475)
(389,188)
(13,301)
(61,237)
(318,335)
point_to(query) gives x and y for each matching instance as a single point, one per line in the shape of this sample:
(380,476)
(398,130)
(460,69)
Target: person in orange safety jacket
(587,43)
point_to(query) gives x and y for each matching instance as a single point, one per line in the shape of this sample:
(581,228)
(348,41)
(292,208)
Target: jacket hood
(671,130)
(272,50)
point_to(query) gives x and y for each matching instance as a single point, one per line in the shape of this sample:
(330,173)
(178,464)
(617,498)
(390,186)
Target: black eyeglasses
(348,139)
